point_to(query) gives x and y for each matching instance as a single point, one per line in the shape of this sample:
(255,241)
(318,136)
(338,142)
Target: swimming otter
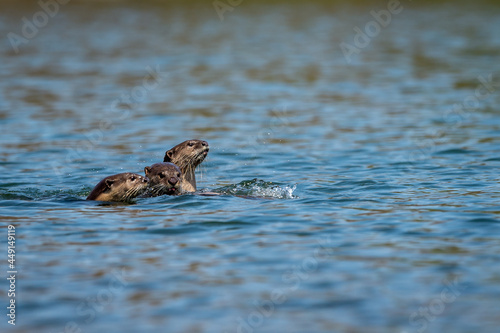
(164,178)
(188,155)
(121,187)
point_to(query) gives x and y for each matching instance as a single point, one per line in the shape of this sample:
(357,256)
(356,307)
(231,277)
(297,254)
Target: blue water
(356,195)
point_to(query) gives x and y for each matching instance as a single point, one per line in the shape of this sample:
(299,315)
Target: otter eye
(132,178)
(162,175)
(190,144)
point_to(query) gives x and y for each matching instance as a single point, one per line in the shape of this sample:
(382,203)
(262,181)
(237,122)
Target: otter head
(121,187)
(164,178)
(188,154)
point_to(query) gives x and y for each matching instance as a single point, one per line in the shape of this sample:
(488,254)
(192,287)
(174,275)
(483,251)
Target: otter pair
(161,178)
(175,175)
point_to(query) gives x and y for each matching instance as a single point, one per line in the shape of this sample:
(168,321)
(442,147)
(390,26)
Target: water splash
(258,188)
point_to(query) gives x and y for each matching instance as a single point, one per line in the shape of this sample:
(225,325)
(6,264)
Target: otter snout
(172,181)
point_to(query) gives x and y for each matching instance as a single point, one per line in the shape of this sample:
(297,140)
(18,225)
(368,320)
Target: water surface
(357,195)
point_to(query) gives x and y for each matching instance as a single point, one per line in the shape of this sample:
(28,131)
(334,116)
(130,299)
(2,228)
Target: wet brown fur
(164,178)
(120,187)
(188,155)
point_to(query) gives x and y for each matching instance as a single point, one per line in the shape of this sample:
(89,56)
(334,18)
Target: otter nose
(173,180)
(145,179)
(204,143)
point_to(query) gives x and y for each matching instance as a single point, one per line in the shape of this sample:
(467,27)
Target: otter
(121,187)
(188,155)
(164,178)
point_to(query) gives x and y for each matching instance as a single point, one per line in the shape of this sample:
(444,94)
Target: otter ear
(147,170)
(109,182)
(168,156)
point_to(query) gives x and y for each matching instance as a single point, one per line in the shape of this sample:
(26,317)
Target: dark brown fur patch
(164,178)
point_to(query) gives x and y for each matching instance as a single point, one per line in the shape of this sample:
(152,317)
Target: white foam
(278,192)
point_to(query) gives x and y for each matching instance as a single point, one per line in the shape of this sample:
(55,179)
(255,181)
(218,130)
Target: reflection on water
(356,195)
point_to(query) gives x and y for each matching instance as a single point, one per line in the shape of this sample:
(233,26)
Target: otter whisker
(132,193)
(135,192)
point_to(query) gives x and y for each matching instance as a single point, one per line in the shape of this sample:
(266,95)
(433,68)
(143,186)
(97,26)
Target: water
(355,196)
